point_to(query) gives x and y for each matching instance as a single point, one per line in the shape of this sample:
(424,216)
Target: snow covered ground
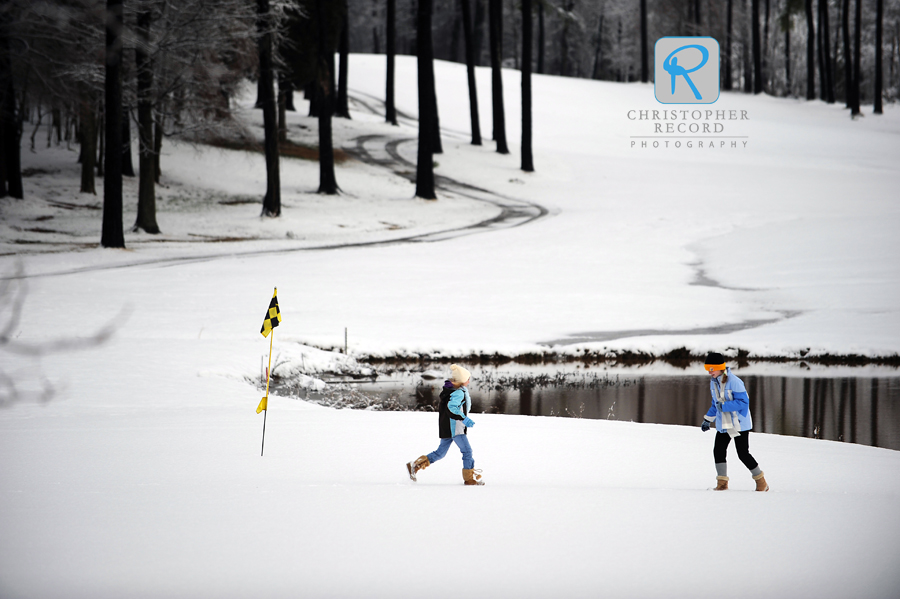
(142,478)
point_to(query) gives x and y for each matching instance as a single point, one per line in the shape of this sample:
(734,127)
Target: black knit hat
(714,361)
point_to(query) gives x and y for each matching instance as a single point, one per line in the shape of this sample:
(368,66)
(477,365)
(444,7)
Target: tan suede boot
(761,484)
(721,483)
(472,477)
(420,463)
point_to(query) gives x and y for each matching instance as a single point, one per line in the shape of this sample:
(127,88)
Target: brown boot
(721,483)
(420,463)
(472,476)
(761,484)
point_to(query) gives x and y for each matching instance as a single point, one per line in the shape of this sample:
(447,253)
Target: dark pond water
(856,409)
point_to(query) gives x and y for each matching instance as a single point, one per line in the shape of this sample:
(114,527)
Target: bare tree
(146,212)
(113,235)
(496,38)
(272,200)
(757,51)
(857,50)
(879,42)
(470,72)
(645,63)
(390,114)
(527,159)
(325,96)
(343,108)
(810,53)
(424,161)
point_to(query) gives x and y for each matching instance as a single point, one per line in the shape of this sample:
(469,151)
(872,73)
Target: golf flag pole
(265,400)
(272,320)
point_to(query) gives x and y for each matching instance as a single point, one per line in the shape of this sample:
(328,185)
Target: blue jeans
(462,442)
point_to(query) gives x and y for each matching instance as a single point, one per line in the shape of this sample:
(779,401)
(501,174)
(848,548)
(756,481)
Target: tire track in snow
(376,150)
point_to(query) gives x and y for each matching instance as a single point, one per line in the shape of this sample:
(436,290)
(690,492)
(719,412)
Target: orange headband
(711,367)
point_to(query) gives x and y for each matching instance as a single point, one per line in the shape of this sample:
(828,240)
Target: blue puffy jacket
(736,401)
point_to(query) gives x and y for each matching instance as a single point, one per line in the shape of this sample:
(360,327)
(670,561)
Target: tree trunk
(727,83)
(598,50)
(765,48)
(127,163)
(825,34)
(810,53)
(10,121)
(496,38)
(857,34)
(437,147)
(146,211)
(259,94)
(820,53)
(288,94)
(848,60)
(757,51)
(454,38)
(879,41)
(479,30)
(272,200)
(101,143)
(540,57)
(343,106)
(787,61)
(563,42)
(113,235)
(326,100)
(158,132)
(645,61)
(747,54)
(527,160)
(390,114)
(282,109)
(425,160)
(88,118)
(470,72)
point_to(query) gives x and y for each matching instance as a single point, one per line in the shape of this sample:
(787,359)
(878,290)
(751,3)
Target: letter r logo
(686,70)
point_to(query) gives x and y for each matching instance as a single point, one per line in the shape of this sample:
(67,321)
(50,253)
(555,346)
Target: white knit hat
(458,374)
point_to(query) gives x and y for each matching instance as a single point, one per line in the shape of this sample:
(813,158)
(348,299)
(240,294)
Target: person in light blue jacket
(730,411)
(453,425)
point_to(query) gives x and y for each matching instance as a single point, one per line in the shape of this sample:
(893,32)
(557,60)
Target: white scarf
(730,420)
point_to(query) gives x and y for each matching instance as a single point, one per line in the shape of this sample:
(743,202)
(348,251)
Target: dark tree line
(96,67)
(779,47)
(172,68)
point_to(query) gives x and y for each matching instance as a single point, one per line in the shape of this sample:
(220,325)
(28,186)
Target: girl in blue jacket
(730,411)
(453,423)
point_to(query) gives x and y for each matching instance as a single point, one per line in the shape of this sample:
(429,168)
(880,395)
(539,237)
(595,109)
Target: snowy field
(141,477)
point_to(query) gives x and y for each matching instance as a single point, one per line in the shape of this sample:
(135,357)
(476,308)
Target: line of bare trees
(93,68)
(800,48)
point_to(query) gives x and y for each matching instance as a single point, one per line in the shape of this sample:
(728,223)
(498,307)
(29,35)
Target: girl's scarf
(730,420)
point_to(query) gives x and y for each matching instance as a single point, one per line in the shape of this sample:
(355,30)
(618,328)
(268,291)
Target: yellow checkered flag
(272,320)
(273,316)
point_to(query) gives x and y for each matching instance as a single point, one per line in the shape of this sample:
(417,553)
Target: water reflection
(857,410)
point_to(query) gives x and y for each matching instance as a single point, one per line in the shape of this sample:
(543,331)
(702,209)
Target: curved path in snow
(376,150)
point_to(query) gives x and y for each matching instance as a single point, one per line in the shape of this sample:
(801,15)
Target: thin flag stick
(272,319)
(266,410)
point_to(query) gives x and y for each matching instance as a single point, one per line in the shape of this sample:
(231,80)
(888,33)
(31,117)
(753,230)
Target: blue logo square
(686,70)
